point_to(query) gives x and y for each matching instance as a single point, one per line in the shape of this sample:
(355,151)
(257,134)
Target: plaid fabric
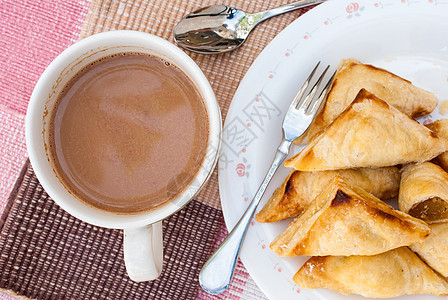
(46,253)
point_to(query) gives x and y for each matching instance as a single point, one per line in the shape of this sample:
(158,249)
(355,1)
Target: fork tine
(304,86)
(316,104)
(307,101)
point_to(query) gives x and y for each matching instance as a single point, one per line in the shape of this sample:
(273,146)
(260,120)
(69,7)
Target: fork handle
(217,272)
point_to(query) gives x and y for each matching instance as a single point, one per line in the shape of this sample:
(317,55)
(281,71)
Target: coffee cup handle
(143,252)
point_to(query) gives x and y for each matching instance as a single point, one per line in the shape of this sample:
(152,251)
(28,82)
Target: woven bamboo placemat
(45,253)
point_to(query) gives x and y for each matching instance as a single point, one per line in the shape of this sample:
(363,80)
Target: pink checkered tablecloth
(33,33)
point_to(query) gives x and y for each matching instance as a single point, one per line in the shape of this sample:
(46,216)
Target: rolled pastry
(370,133)
(424,192)
(299,189)
(352,76)
(390,274)
(345,220)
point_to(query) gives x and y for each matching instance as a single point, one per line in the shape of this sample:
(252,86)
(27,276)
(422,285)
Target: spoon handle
(217,272)
(285,8)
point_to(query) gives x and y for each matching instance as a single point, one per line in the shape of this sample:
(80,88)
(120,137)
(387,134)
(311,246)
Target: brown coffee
(128,133)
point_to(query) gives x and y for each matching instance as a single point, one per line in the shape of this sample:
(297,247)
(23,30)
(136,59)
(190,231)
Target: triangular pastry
(352,76)
(346,220)
(424,192)
(440,127)
(299,189)
(390,274)
(434,249)
(369,133)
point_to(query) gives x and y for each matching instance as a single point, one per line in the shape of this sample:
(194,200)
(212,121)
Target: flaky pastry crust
(299,189)
(369,133)
(352,76)
(440,127)
(345,220)
(390,274)
(424,192)
(433,250)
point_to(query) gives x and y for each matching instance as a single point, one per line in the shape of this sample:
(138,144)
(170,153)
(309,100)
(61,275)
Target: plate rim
(221,177)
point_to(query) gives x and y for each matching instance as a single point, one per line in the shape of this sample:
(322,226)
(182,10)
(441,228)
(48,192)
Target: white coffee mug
(143,248)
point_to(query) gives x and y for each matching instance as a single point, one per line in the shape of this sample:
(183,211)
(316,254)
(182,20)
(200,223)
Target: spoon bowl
(212,29)
(219,28)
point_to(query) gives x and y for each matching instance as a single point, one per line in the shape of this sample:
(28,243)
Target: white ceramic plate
(407,37)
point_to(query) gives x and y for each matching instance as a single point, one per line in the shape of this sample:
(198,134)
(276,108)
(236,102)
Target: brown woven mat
(46,253)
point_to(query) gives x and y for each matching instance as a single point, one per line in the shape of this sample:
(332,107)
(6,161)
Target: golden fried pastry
(345,220)
(370,133)
(440,128)
(434,249)
(300,188)
(424,192)
(390,274)
(352,76)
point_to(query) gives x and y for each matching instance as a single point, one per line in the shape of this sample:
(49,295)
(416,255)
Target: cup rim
(35,136)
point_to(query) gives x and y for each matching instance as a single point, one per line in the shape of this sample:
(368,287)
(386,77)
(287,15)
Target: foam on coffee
(128,133)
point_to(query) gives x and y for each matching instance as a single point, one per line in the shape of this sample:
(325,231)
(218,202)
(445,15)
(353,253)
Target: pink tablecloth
(32,34)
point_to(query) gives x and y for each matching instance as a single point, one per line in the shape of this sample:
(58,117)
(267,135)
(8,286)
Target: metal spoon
(219,28)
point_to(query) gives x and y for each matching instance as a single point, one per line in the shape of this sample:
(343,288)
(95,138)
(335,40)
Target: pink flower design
(427,121)
(352,7)
(240,170)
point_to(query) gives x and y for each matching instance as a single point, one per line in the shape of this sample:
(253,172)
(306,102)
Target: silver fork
(217,272)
